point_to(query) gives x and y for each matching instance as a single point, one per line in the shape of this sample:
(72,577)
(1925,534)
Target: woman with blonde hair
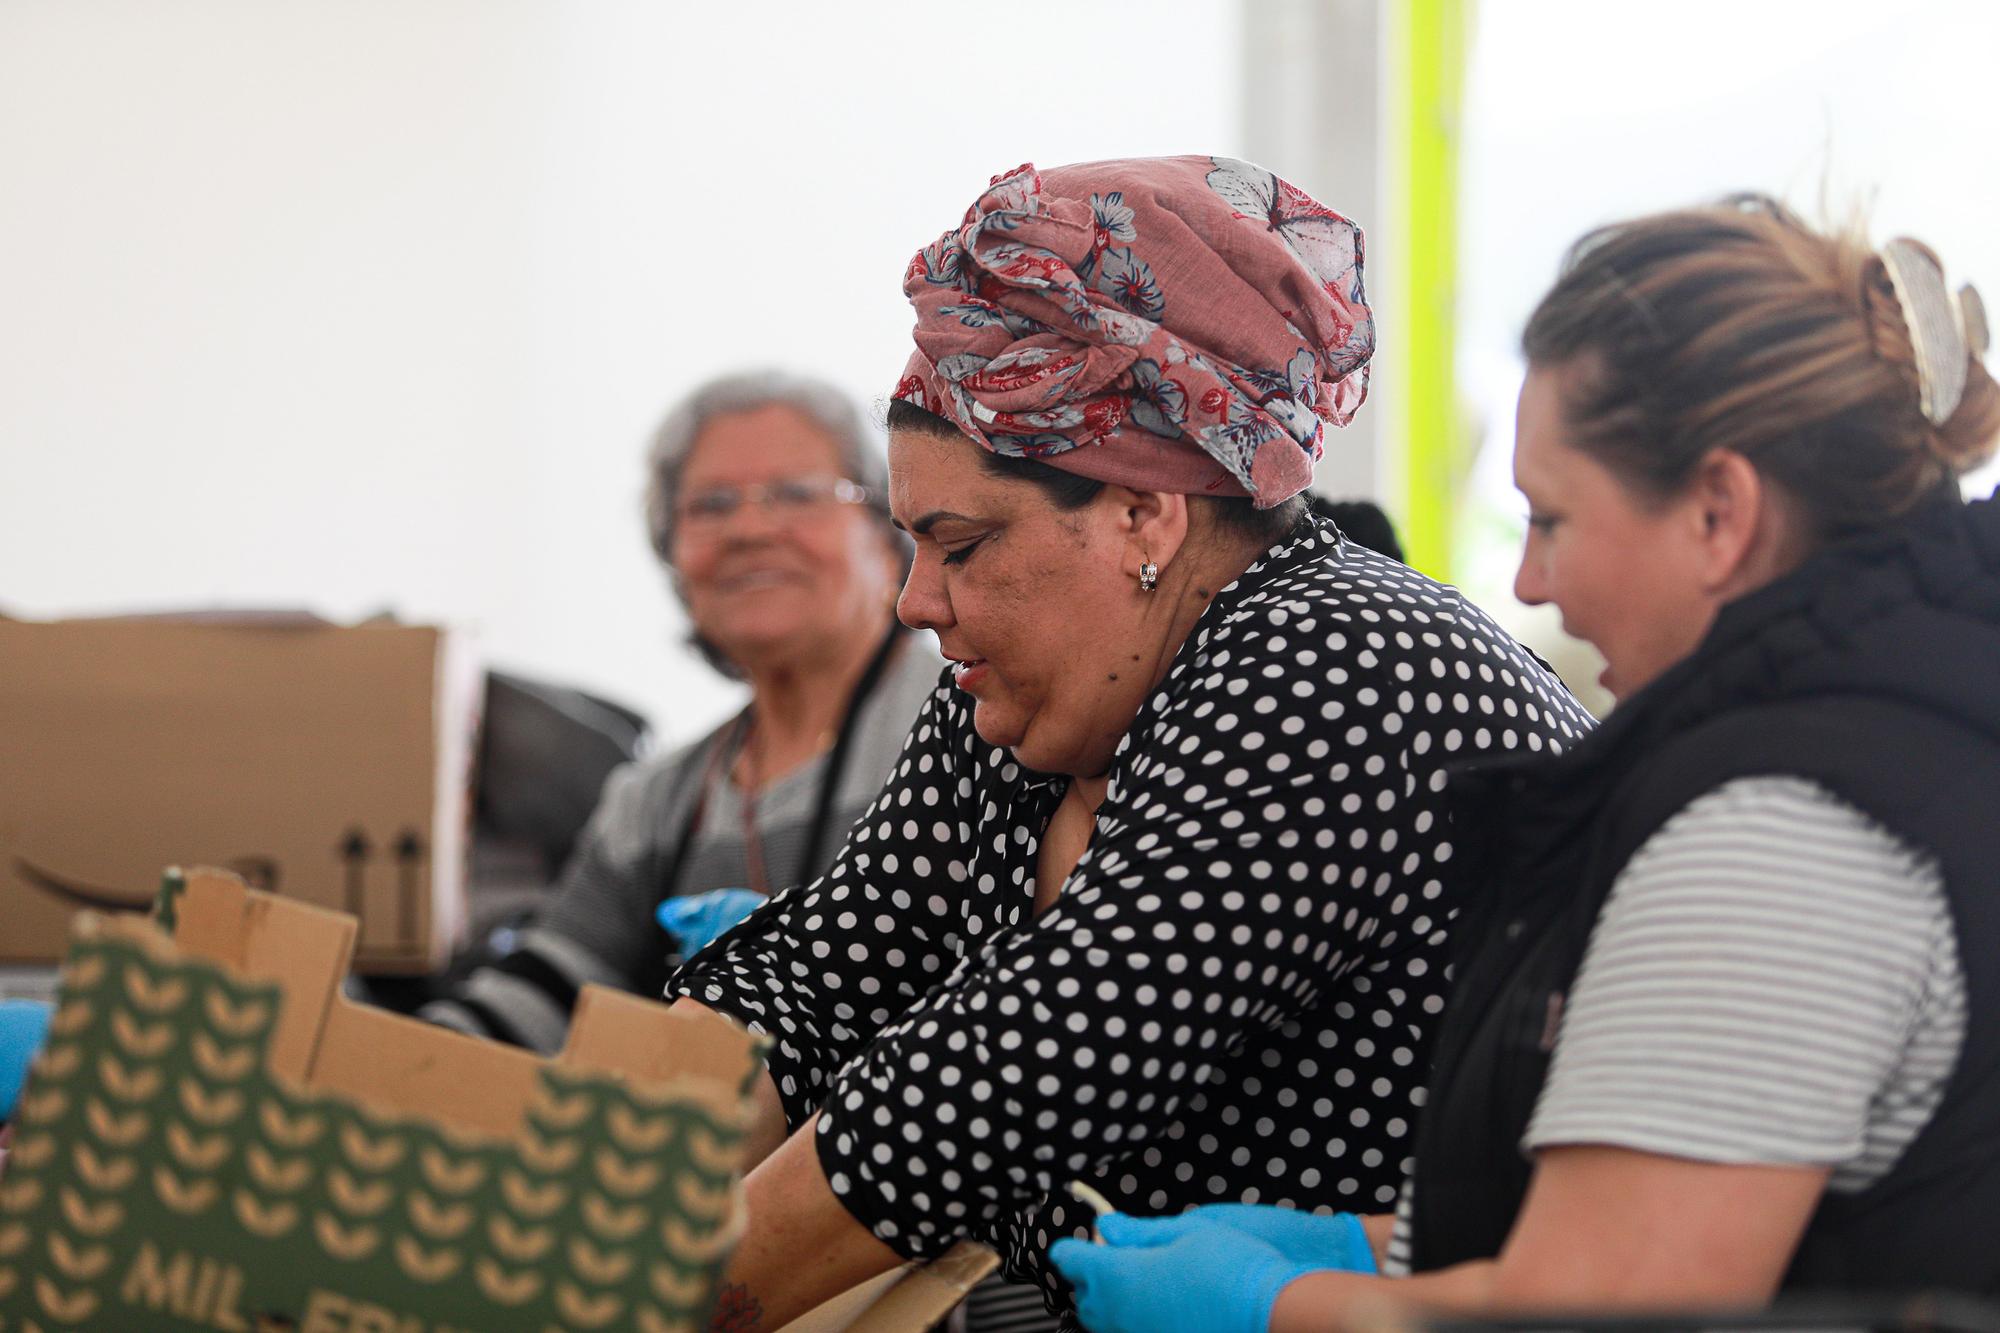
(1727,1018)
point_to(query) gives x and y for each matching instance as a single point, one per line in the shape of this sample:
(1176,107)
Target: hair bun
(1935,339)
(1848,375)
(1940,341)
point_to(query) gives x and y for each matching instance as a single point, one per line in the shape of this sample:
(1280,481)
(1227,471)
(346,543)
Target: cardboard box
(325,763)
(215,1139)
(910,1299)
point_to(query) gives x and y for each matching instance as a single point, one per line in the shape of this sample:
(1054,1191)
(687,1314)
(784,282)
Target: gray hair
(857,446)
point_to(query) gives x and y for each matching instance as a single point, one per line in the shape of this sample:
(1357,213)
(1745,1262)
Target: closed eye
(958,555)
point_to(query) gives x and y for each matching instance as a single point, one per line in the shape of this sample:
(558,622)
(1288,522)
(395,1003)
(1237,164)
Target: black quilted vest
(1875,671)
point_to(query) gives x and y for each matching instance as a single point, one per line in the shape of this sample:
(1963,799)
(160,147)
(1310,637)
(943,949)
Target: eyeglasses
(787,500)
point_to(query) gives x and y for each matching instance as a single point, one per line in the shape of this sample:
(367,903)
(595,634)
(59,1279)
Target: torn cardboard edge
(399,1065)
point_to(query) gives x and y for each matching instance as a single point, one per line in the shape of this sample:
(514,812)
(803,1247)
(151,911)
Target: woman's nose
(923,604)
(1530,585)
(751,520)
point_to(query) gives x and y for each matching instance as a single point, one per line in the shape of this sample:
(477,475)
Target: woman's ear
(1742,534)
(1154,525)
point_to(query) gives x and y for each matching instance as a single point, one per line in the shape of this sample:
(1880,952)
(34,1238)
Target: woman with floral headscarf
(1152,899)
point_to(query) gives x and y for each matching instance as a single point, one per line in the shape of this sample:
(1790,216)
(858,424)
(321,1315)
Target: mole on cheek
(1112,676)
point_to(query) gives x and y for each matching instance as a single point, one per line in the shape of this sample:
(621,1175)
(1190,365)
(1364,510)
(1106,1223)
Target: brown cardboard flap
(838,1313)
(929,1293)
(305,950)
(405,1066)
(621,1033)
(909,1299)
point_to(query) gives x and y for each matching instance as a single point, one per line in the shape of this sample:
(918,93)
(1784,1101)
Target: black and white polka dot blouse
(1231,998)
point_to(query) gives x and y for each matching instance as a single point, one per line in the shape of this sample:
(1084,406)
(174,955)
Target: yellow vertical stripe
(1425,43)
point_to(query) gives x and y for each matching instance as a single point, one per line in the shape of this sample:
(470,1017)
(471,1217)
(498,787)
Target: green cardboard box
(216,1139)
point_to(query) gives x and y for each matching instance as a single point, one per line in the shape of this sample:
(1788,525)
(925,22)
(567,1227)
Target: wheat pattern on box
(1232,996)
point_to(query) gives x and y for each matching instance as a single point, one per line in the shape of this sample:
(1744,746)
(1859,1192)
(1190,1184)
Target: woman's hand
(698,920)
(1195,1273)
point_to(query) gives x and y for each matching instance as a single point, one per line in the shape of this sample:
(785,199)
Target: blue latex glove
(699,918)
(1200,1277)
(1335,1242)
(24,1030)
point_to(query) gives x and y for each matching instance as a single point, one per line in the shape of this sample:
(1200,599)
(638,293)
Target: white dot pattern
(1233,995)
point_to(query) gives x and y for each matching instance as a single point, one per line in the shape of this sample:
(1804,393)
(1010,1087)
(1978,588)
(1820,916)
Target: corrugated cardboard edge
(916,1297)
(836,1314)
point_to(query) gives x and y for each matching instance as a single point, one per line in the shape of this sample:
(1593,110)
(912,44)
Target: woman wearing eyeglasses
(766,504)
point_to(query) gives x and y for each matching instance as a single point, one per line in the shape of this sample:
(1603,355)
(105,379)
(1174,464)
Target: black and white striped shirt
(1774,980)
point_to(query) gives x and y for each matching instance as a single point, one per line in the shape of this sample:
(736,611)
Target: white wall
(362,305)
(1313,111)
(1579,112)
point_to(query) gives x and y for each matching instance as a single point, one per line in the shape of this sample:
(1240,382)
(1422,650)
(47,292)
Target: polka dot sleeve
(823,966)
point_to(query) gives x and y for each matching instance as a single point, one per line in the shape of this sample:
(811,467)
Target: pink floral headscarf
(1183,324)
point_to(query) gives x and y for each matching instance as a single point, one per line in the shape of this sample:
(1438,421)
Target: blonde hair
(1739,327)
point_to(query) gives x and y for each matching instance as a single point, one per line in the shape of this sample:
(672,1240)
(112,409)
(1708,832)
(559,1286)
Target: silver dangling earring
(1149,577)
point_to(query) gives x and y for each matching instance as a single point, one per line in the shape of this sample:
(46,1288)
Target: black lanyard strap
(836,760)
(715,765)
